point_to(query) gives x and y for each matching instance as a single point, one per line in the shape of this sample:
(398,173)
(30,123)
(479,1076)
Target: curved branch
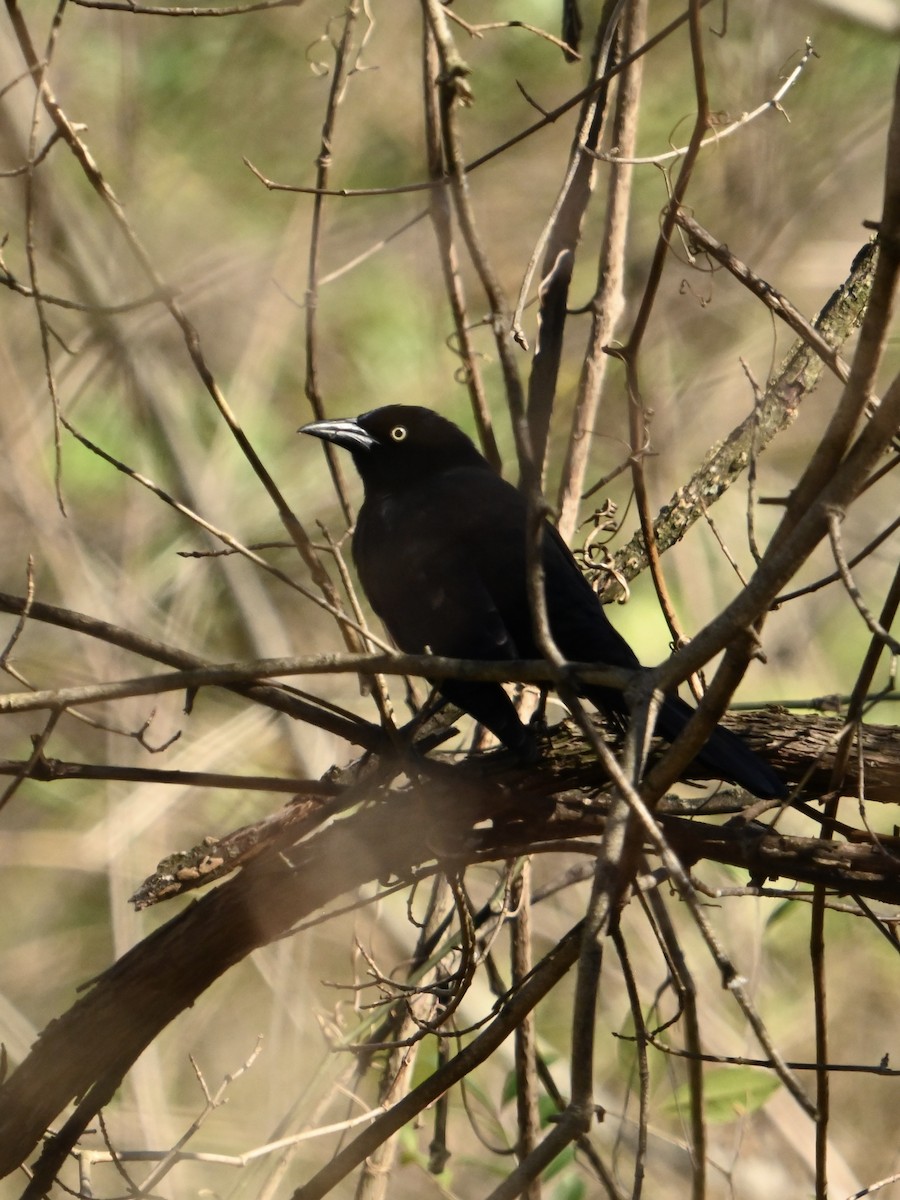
(86,1051)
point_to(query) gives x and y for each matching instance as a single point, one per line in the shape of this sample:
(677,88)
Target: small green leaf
(728,1093)
(784,909)
(484,1110)
(571,1187)
(409,1147)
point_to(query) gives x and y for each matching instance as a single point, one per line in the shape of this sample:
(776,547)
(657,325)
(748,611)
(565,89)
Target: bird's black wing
(444,565)
(418,562)
(583,631)
(579,624)
(421,561)
(725,755)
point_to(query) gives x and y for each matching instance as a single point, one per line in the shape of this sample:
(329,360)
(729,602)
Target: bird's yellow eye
(398,433)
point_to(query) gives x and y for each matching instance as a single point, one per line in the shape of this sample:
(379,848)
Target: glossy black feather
(440,550)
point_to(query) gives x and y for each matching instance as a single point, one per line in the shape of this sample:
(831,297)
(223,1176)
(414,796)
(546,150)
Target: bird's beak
(344,432)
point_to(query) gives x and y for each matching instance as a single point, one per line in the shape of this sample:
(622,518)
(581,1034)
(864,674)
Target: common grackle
(440,547)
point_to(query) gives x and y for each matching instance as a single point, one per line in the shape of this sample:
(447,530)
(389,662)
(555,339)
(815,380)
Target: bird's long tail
(725,755)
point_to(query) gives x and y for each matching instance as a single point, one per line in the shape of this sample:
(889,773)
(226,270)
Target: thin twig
(231,10)
(441,220)
(835,517)
(719,135)
(526,1034)
(771,298)
(339,78)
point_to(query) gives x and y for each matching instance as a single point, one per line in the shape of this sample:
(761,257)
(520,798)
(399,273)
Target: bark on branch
(403,833)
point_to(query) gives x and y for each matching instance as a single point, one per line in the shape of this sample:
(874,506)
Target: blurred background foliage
(171,109)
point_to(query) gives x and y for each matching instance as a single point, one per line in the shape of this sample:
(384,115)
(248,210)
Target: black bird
(440,547)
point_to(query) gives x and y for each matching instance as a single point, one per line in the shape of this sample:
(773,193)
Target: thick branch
(86,1051)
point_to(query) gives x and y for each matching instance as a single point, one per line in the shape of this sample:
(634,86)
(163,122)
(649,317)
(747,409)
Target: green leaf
(571,1187)
(787,908)
(484,1111)
(728,1093)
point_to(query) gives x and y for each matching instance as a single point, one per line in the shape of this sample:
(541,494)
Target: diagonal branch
(796,378)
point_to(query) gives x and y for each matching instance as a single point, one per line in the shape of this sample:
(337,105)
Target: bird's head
(399,444)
